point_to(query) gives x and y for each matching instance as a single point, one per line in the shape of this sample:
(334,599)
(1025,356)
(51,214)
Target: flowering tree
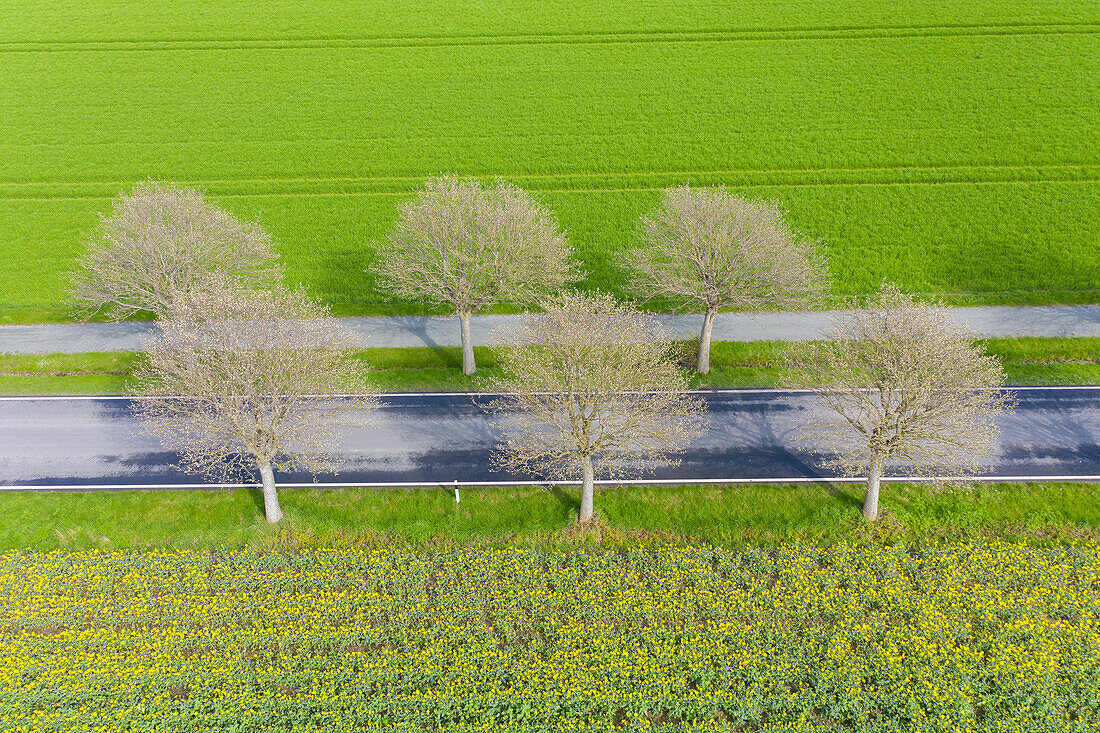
(704,247)
(591,385)
(901,384)
(460,243)
(160,241)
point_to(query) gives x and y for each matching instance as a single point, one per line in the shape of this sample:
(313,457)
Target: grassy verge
(734,364)
(727,516)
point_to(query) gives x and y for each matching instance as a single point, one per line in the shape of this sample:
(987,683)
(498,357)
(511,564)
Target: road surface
(983,322)
(93,442)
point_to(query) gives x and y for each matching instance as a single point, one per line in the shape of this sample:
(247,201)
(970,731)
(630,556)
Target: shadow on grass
(257,496)
(449,489)
(849,494)
(569,503)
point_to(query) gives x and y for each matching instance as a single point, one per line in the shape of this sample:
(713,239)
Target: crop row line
(637,31)
(595,38)
(579,133)
(898,169)
(609,189)
(631,32)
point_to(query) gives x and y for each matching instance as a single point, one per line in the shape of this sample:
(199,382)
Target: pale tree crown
(235,375)
(160,240)
(901,381)
(591,379)
(470,245)
(706,246)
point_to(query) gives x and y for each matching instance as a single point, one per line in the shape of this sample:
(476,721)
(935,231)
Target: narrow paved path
(983,321)
(94,442)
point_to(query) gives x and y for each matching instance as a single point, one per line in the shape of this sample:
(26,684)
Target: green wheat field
(949,145)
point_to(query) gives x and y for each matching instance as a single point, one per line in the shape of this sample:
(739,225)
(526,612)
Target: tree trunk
(870,501)
(468,366)
(703,365)
(586,492)
(271,499)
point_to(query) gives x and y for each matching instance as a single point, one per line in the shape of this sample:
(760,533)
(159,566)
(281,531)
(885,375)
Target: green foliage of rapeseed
(975,636)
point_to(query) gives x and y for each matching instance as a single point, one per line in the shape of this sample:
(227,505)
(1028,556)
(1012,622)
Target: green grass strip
(729,516)
(1027,361)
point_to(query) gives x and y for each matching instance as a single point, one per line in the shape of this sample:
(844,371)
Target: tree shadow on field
(1004,257)
(569,503)
(847,494)
(255,490)
(257,496)
(242,475)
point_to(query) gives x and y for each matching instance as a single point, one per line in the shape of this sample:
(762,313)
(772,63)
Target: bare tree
(704,247)
(590,386)
(239,379)
(160,240)
(462,244)
(902,386)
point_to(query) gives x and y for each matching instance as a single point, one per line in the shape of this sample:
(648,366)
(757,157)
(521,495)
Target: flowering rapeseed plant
(981,636)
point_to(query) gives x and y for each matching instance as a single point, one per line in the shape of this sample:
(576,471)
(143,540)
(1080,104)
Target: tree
(462,244)
(706,247)
(590,385)
(160,240)
(238,379)
(902,385)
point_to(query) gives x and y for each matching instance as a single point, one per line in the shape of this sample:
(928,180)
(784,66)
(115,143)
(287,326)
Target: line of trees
(469,246)
(241,372)
(245,373)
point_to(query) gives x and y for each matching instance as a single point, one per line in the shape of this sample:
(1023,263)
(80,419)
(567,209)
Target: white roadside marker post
(456,491)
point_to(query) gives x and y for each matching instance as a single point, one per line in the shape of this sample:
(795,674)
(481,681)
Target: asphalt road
(93,442)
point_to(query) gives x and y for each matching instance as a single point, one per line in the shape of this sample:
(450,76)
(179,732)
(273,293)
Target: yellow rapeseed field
(959,637)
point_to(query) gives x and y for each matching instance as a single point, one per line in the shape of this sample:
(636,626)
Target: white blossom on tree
(709,249)
(470,246)
(900,385)
(591,386)
(160,240)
